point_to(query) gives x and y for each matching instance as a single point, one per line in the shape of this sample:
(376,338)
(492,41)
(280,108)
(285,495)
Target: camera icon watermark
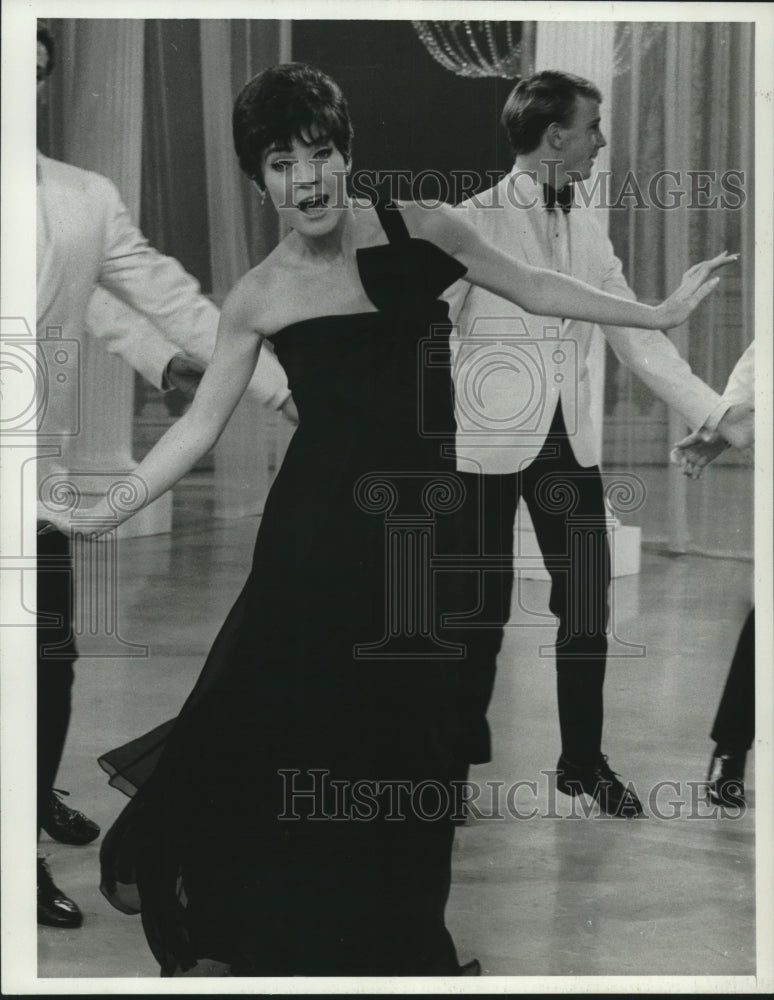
(506,379)
(40,381)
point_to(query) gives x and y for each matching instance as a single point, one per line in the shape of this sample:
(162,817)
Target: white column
(102,78)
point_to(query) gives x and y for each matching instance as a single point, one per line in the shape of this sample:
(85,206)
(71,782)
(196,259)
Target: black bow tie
(562,198)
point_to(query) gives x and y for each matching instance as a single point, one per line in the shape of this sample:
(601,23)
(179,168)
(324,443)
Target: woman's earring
(263,196)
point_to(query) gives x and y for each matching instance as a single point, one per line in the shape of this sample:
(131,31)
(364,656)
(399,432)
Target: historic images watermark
(662,190)
(315,796)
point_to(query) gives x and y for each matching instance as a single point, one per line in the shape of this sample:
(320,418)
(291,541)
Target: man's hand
(289,411)
(737,428)
(696,451)
(184,374)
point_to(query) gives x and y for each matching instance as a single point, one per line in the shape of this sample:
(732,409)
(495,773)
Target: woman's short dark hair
(287,102)
(534,103)
(46,38)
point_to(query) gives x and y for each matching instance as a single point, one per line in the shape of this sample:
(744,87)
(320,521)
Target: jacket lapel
(525,220)
(580,247)
(584,251)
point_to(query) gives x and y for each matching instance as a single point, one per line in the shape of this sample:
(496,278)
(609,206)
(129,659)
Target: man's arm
(654,358)
(158,288)
(128,335)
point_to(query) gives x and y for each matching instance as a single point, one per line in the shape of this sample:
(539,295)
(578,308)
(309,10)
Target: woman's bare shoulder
(436,221)
(256,300)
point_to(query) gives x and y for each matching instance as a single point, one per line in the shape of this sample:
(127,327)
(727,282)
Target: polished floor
(539,889)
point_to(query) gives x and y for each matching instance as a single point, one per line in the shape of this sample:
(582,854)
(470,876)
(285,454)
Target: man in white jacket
(525,426)
(85,240)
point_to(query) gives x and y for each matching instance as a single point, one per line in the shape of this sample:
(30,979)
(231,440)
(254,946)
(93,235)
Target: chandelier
(480,48)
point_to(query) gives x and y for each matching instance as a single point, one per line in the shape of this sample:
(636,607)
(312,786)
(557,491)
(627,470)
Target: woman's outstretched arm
(196,432)
(547,293)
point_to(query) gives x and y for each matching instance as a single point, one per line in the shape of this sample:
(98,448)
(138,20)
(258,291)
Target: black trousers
(56,655)
(566,504)
(734,727)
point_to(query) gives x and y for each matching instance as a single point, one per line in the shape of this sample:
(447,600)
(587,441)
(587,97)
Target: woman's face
(307,183)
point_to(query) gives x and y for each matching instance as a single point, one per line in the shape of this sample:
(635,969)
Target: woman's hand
(737,426)
(93,520)
(51,522)
(697,283)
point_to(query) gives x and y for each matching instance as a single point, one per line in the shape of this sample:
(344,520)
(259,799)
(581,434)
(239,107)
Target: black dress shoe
(601,783)
(472,968)
(67,825)
(54,908)
(726,778)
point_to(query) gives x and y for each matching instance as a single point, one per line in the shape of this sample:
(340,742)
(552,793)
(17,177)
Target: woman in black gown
(295,819)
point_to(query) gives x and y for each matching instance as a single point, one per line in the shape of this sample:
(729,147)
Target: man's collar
(554,199)
(531,192)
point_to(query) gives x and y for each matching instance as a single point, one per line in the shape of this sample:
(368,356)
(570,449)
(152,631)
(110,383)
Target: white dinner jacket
(86,239)
(511,367)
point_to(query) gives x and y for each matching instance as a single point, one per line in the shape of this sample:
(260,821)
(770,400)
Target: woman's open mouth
(314,205)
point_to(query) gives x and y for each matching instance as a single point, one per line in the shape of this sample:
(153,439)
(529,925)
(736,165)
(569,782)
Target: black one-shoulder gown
(294,819)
